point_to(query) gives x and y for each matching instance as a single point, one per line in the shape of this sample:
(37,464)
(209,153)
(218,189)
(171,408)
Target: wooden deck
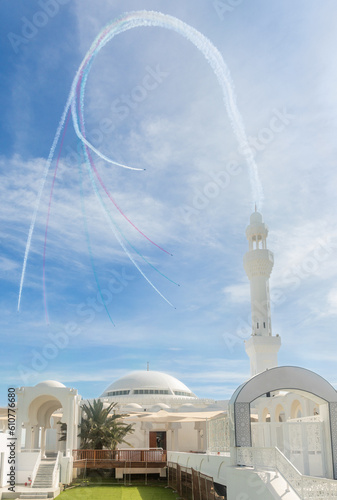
(116,459)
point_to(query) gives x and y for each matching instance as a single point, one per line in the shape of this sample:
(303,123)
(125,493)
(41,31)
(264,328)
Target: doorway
(158,439)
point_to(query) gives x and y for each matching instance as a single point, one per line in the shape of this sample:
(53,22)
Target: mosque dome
(132,406)
(256,218)
(50,383)
(144,384)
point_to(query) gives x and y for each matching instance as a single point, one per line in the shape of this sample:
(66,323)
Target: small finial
(148,366)
(255,208)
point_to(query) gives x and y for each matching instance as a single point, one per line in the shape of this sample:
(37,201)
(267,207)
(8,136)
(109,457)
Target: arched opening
(42,431)
(280,415)
(265,415)
(296,409)
(294,380)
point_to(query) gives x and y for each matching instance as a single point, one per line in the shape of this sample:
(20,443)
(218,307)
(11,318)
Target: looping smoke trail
(123,23)
(150,18)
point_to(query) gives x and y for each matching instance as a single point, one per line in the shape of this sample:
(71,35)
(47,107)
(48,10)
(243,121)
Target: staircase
(44,475)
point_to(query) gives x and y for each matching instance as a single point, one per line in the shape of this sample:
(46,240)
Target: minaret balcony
(258,262)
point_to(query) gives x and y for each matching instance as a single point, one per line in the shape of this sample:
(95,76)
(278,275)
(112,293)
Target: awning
(165,416)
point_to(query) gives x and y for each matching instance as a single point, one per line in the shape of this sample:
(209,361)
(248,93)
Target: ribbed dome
(147,383)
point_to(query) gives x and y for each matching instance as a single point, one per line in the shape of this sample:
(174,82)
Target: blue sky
(282,59)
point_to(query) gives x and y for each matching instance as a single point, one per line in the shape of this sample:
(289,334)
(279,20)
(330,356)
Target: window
(118,393)
(150,391)
(183,393)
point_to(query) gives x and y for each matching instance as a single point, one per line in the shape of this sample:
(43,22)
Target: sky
(153,102)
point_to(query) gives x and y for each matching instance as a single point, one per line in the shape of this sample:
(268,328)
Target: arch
(295,379)
(265,415)
(296,409)
(41,409)
(280,415)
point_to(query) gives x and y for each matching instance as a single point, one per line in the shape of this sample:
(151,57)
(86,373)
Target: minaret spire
(258,262)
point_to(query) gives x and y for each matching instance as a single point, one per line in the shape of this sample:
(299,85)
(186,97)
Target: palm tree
(63,431)
(99,429)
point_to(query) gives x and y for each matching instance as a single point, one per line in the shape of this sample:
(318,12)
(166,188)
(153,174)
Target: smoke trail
(91,166)
(115,228)
(81,118)
(47,221)
(37,205)
(150,18)
(88,241)
(123,23)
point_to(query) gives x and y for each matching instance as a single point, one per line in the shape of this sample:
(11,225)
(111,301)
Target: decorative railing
(56,471)
(307,487)
(130,455)
(313,418)
(218,434)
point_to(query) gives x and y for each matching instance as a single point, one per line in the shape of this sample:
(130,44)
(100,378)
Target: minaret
(258,262)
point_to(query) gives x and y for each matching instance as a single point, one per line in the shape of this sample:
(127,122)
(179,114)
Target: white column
(43,441)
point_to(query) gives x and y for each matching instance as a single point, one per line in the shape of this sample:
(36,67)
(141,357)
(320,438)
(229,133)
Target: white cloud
(239,294)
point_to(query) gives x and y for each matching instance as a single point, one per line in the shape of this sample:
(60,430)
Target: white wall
(241,483)
(183,437)
(3,459)
(25,463)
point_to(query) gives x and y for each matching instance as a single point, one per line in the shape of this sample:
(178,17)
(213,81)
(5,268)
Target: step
(36,496)
(44,475)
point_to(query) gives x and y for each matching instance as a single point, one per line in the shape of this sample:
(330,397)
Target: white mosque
(275,438)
